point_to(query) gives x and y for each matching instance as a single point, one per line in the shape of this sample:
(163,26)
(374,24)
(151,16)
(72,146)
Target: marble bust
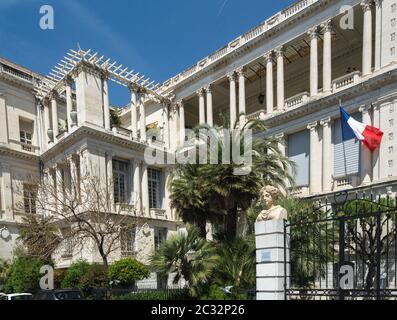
(268,197)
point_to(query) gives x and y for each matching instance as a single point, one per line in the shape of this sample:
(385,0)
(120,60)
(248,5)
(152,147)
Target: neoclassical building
(292,71)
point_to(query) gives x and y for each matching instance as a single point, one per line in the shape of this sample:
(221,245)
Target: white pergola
(118,73)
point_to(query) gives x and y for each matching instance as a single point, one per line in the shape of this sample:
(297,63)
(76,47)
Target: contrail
(222,7)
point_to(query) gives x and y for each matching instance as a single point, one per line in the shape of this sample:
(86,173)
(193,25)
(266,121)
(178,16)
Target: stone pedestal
(270,259)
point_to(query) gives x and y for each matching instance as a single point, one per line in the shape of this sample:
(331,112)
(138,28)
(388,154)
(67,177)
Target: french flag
(368,135)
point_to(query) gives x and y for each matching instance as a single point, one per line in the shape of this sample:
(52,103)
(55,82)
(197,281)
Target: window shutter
(346,154)
(299,152)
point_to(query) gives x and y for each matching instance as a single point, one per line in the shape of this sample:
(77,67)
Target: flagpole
(343,140)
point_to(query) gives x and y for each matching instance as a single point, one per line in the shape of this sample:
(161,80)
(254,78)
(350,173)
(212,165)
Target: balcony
(125,133)
(297,100)
(346,81)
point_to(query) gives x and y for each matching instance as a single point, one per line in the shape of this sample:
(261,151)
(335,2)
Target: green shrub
(96,277)
(163,295)
(23,275)
(127,271)
(74,274)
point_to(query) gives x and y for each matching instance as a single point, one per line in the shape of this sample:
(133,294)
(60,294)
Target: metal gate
(344,249)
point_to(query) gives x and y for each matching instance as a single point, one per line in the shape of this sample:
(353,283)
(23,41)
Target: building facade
(291,71)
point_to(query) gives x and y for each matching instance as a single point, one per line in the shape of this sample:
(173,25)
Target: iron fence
(344,249)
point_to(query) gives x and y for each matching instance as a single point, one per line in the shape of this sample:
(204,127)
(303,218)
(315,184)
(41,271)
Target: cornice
(89,132)
(4,150)
(251,44)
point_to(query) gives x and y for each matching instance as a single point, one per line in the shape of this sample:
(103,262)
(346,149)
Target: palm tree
(188,256)
(197,188)
(236,266)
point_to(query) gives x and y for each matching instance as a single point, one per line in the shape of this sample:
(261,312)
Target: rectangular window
(25,135)
(155,189)
(160,235)
(128,241)
(299,153)
(29,198)
(120,178)
(346,153)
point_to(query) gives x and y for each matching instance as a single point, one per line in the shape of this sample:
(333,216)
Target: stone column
(366,154)
(280,79)
(145,190)
(327,57)
(241,96)
(167,194)
(327,154)
(313,61)
(137,185)
(74,179)
(142,117)
(6,191)
(271,260)
(315,175)
(59,187)
(200,93)
(54,112)
(166,124)
(233,99)
(106,103)
(182,124)
(110,181)
(269,83)
(69,102)
(210,112)
(376,154)
(282,145)
(47,125)
(367,37)
(378,34)
(134,111)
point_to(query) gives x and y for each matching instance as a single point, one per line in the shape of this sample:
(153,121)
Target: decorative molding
(312,126)
(325,122)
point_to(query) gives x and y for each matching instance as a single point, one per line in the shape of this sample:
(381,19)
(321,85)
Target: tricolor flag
(368,135)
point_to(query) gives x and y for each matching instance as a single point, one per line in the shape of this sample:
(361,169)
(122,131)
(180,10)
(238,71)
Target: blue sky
(157,38)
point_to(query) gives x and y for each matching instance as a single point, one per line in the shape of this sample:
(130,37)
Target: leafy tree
(227,188)
(40,235)
(362,232)
(126,271)
(189,257)
(96,277)
(74,274)
(23,275)
(4,267)
(115,119)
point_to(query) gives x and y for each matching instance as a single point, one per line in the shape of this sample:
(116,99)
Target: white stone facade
(291,71)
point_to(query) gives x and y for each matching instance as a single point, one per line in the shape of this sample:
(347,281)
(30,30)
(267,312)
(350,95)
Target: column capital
(180,103)
(200,92)
(364,109)
(208,88)
(133,87)
(241,71)
(231,76)
(280,136)
(313,33)
(378,3)
(366,5)
(268,57)
(312,126)
(326,26)
(68,81)
(325,122)
(53,95)
(280,51)
(174,107)
(105,74)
